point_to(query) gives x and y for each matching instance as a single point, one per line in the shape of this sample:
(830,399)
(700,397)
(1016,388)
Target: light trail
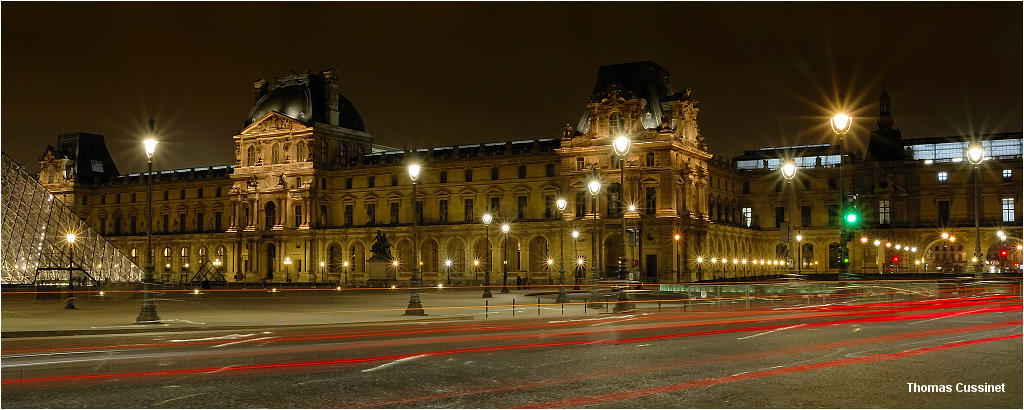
(708,360)
(908,306)
(609,397)
(490,348)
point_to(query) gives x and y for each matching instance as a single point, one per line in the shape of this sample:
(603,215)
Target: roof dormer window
(616,125)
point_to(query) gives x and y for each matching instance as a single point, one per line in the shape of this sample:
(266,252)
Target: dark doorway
(271,215)
(271,255)
(652,269)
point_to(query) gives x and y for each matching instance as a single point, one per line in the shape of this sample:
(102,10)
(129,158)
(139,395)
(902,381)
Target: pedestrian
(519,282)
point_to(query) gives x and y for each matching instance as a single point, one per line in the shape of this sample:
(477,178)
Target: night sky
(431,74)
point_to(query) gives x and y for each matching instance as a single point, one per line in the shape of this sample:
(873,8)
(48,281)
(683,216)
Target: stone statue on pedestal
(381,248)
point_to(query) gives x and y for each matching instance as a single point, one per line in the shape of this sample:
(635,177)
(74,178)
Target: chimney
(259,89)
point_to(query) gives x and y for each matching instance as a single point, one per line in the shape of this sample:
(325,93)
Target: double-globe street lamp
(841,124)
(621,147)
(147,313)
(487,238)
(561,204)
(976,154)
(415,308)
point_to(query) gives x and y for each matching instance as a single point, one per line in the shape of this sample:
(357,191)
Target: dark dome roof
(292,101)
(304,103)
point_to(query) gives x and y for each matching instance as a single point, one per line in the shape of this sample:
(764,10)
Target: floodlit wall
(34,230)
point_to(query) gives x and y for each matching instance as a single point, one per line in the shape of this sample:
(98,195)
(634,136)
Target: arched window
(271,215)
(202,254)
(300,151)
(616,125)
(275,154)
(250,156)
(221,252)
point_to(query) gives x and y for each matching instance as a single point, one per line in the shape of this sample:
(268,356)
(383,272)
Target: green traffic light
(851,218)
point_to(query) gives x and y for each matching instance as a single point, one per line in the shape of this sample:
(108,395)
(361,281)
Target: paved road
(847,353)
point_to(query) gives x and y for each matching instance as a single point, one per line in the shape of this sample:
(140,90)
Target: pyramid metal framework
(33,243)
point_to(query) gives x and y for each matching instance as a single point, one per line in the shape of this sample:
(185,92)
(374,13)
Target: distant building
(309,186)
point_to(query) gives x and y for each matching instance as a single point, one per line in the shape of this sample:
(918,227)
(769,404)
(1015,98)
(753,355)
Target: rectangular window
(134,221)
(181,222)
(371,181)
(103,226)
(167,223)
(521,207)
(467,206)
(133,197)
(649,159)
(943,176)
(748,217)
(807,184)
(418,208)
(117,198)
(1008,209)
(182,194)
(495,206)
(298,215)
(216,221)
(549,206)
(199,221)
(805,216)
(199,192)
(832,183)
(780,216)
(581,204)
(494,173)
(323,221)
(833,215)
(117,224)
(1007,175)
(371,214)
(469,175)
(348,215)
(167,194)
(394,213)
(444,177)
(394,180)
(442,211)
(218,193)
(943,213)
(348,183)
(85,200)
(884,212)
(549,170)
(650,200)
(746,187)
(580,164)
(103,199)
(522,171)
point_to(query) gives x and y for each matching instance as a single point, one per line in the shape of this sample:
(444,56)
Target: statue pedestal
(380,273)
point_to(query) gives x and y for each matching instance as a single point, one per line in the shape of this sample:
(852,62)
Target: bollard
(584,305)
(513,307)
(563,309)
(538,306)
(485,308)
(659,306)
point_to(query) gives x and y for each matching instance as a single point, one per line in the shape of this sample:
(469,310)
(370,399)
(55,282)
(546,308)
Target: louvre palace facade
(310,190)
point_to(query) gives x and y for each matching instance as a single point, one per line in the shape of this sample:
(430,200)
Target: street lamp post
(147,313)
(487,238)
(415,308)
(504,258)
(560,204)
(789,172)
(71,266)
(595,188)
(579,263)
(678,258)
(448,268)
(621,147)
(841,124)
(799,250)
(975,155)
(287,268)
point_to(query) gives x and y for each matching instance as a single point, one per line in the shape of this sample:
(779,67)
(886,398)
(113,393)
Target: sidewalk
(25,316)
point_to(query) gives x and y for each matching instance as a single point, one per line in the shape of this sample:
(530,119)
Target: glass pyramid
(32,237)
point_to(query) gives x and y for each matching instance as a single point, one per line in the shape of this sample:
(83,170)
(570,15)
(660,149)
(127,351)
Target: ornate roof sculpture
(642,79)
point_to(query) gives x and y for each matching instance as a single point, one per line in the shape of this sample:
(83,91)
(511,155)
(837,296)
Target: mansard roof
(307,98)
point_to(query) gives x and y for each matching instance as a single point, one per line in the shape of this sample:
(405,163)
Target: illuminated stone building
(309,190)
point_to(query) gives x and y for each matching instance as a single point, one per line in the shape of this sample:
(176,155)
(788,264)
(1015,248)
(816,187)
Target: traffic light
(1002,253)
(851,212)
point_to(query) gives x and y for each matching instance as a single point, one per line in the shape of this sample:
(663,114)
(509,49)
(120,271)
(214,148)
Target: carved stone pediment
(273,122)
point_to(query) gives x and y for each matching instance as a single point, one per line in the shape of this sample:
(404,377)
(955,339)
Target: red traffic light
(1002,253)
(896,259)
